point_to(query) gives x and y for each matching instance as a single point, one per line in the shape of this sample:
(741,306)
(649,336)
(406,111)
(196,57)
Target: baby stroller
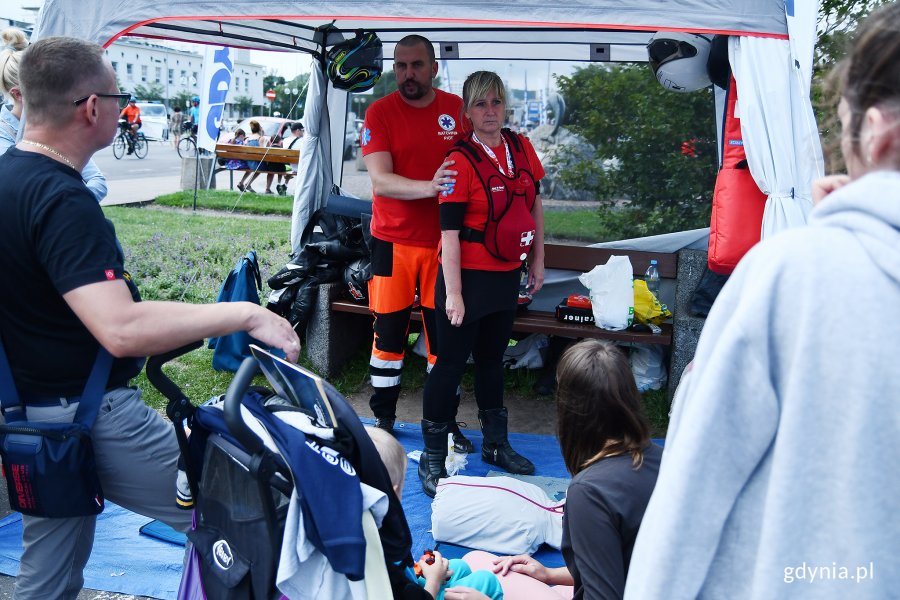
(240,489)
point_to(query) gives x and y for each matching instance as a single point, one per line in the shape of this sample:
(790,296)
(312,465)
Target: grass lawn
(587,225)
(185,257)
(228,201)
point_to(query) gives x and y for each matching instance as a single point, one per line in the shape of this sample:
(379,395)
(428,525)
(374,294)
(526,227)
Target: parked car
(154,120)
(351,136)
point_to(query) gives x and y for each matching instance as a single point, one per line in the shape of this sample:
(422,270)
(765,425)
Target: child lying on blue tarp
(440,579)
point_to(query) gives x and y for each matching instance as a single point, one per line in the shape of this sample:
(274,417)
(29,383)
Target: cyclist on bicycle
(194,115)
(130,121)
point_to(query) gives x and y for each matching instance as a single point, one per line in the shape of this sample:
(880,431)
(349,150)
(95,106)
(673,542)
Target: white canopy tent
(602,30)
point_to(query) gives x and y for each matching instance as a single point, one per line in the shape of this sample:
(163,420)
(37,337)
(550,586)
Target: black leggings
(486,340)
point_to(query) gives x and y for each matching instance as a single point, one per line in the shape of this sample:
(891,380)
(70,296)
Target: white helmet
(679,60)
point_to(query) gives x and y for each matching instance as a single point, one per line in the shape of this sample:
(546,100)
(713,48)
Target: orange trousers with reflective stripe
(391,298)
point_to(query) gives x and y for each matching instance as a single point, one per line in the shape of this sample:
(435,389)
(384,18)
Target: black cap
(296,125)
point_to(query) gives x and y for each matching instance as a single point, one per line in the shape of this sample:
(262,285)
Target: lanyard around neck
(492,156)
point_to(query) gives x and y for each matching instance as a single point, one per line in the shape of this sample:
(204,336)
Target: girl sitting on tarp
(604,437)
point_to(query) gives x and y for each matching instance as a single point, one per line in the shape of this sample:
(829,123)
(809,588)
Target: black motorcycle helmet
(355,65)
(356,276)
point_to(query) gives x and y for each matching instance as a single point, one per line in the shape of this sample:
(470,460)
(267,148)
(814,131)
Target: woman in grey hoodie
(780,475)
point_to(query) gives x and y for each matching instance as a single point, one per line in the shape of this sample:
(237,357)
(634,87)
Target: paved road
(161,160)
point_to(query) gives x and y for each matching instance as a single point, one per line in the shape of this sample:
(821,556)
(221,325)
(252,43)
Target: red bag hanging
(738,203)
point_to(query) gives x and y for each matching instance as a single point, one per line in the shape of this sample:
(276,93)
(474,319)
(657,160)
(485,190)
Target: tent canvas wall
(775,32)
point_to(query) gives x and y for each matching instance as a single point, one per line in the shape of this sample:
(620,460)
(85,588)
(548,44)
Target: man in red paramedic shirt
(404,139)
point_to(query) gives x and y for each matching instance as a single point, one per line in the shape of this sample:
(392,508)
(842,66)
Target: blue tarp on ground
(127,562)
(123,560)
(542,450)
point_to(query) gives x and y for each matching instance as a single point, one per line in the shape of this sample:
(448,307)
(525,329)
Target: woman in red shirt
(476,292)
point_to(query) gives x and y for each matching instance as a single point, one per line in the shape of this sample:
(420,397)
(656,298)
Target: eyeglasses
(123,98)
(662,51)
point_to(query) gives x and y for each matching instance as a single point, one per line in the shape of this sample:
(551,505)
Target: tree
(182,99)
(151,92)
(243,104)
(836,23)
(652,147)
(287,103)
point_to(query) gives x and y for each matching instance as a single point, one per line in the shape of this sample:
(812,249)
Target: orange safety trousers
(391,299)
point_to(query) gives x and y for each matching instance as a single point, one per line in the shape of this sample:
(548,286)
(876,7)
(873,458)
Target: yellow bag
(647,309)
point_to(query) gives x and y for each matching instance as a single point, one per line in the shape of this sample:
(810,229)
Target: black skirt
(483,292)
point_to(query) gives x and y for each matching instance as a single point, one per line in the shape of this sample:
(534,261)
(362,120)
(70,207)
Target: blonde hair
(391,452)
(14,41)
(477,86)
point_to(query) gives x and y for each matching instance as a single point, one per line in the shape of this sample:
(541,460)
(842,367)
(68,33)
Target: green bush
(655,157)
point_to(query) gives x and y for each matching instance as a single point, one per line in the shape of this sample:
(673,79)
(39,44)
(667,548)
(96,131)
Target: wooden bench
(339,326)
(284,156)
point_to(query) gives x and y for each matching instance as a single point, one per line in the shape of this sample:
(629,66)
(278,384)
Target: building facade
(178,73)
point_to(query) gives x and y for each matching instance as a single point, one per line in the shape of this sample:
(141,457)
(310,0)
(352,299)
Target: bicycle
(138,143)
(187,145)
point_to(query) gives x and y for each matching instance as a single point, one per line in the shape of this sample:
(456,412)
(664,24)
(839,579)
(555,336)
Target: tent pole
(196,178)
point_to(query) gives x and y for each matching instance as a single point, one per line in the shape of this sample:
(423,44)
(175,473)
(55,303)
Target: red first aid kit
(575,309)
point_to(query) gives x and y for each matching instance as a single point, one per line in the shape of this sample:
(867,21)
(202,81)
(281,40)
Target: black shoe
(385,423)
(460,442)
(130,151)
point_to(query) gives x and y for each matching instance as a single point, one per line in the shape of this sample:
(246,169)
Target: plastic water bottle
(651,276)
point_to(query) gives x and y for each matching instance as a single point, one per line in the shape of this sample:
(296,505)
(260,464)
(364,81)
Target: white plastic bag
(647,366)
(455,461)
(612,293)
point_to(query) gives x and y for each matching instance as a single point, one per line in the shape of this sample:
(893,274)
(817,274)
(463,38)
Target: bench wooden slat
(543,322)
(287,156)
(584,258)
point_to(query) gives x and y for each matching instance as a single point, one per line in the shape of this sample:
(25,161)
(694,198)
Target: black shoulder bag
(49,467)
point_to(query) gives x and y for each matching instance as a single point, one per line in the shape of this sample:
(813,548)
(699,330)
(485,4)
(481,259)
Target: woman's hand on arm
(526,565)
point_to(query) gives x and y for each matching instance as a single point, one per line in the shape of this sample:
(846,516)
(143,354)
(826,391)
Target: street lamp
(292,92)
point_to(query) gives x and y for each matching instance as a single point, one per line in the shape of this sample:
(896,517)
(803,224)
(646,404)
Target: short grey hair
(54,72)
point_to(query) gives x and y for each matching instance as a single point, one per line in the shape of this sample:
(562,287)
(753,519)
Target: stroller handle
(233,397)
(159,380)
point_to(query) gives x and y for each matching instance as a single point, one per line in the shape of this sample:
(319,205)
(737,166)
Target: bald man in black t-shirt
(68,294)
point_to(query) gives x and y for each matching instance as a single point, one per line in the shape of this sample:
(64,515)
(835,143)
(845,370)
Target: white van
(154,120)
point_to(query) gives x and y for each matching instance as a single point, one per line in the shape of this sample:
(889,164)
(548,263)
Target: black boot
(431,464)
(496,449)
(461,443)
(384,406)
